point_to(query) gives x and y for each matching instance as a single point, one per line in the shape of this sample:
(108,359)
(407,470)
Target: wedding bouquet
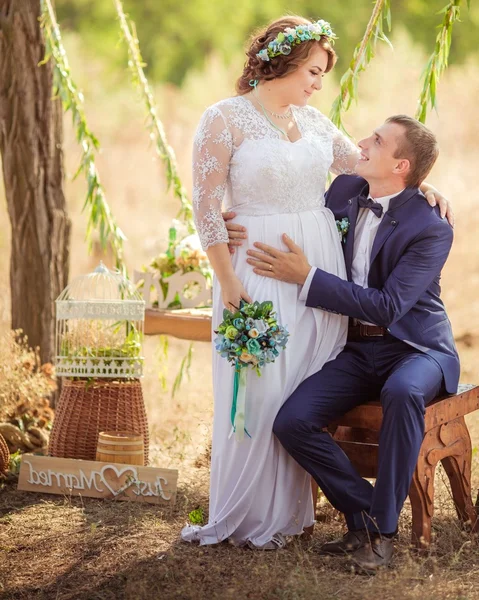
(251,336)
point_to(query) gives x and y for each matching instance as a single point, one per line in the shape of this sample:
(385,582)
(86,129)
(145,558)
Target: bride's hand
(232,292)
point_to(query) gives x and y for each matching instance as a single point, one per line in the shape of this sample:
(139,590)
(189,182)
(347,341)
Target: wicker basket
(84,410)
(4,455)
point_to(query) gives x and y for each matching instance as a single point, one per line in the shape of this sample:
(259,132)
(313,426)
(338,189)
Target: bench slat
(442,410)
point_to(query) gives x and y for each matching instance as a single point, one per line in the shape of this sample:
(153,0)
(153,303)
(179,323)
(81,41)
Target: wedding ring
(270,267)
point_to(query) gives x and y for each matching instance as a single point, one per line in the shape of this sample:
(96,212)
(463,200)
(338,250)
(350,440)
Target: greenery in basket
(89,341)
(185,255)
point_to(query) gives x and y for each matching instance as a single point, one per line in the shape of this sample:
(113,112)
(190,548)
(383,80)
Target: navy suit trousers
(405,380)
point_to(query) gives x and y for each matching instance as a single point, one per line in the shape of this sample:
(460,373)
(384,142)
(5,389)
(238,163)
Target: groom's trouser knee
(321,399)
(297,418)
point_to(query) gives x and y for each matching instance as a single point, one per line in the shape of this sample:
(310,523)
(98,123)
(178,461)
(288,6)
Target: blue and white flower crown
(285,40)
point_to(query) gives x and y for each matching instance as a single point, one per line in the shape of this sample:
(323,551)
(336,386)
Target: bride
(266,155)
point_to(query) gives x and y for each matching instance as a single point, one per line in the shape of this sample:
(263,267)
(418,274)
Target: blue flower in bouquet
(269,356)
(219,341)
(223,346)
(239,324)
(260,325)
(254,347)
(282,337)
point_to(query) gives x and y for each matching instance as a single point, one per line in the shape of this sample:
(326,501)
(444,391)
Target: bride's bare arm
(232,290)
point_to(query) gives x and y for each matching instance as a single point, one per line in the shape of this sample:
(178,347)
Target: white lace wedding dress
(257,490)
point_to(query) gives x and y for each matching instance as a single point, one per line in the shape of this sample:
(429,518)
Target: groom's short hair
(418,145)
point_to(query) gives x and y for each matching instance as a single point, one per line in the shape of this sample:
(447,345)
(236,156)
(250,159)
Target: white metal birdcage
(99,327)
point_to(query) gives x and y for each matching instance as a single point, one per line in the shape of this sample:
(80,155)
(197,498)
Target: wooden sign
(67,476)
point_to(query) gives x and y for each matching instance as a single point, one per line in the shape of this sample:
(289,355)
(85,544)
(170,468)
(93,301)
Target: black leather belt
(360,331)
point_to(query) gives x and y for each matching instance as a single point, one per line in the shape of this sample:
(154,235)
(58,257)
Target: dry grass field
(66,548)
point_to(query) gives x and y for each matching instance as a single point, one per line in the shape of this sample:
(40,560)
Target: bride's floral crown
(285,40)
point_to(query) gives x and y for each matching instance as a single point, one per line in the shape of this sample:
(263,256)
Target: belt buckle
(363,331)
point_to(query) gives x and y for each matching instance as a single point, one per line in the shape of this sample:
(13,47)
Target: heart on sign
(119,472)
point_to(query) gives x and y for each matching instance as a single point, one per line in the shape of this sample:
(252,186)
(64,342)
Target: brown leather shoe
(374,554)
(351,541)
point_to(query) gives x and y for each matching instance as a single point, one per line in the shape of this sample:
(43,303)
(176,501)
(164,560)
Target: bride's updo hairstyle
(282,65)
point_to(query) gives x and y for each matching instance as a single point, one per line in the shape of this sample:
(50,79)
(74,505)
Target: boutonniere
(343,228)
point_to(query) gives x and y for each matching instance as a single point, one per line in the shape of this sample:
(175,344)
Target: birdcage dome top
(102,294)
(101,285)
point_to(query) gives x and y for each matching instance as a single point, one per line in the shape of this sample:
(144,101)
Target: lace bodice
(241,162)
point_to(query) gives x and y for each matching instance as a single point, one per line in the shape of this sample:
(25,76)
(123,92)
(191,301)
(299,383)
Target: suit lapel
(389,223)
(349,244)
(387,226)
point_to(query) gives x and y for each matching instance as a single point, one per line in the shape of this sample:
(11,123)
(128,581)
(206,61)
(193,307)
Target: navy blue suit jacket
(409,251)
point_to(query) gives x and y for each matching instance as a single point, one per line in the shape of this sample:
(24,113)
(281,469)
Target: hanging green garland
(100,216)
(155,127)
(363,54)
(438,60)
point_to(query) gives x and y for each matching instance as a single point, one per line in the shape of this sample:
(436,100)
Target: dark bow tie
(369,203)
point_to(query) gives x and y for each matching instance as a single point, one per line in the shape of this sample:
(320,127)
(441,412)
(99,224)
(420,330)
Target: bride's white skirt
(257,490)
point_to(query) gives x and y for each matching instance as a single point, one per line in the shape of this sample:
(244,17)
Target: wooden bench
(187,324)
(446,439)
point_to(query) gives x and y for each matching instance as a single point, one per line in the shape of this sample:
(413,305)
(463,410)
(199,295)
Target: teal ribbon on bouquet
(238,406)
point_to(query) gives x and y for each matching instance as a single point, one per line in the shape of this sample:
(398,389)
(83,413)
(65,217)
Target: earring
(253,83)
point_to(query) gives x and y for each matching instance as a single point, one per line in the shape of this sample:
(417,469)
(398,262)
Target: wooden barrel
(122,447)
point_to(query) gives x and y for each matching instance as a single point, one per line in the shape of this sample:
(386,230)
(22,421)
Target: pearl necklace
(287,115)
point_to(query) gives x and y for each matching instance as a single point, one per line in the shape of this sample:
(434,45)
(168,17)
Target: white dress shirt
(367,225)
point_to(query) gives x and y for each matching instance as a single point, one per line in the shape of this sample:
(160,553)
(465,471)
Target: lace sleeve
(212,151)
(345,153)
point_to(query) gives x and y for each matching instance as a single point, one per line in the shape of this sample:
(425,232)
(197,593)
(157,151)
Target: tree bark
(31,135)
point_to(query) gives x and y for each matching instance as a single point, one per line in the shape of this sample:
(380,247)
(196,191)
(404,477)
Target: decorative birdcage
(99,327)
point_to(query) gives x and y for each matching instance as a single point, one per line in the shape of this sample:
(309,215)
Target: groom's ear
(402,168)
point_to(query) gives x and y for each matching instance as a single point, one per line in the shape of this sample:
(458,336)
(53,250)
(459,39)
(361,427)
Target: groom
(400,346)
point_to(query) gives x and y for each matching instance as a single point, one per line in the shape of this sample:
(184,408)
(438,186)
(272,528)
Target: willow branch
(438,61)
(100,216)
(362,56)
(155,127)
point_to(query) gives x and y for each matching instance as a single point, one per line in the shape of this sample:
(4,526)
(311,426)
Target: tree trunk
(31,148)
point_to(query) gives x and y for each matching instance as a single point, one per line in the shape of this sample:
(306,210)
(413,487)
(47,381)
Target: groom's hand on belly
(292,266)
(236,233)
